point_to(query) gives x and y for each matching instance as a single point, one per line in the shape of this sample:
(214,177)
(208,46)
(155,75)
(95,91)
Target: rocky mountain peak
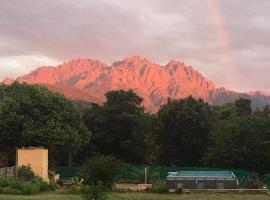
(86,79)
(8,81)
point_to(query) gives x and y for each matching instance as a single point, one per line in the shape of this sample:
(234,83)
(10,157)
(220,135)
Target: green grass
(141,196)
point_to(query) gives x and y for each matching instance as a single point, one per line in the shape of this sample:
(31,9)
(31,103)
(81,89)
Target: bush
(18,186)
(3,182)
(9,190)
(100,168)
(44,186)
(12,183)
(160,188)
(30,188)
(25,173)
(94,192)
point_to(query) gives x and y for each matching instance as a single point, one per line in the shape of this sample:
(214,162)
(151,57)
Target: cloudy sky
(227,40)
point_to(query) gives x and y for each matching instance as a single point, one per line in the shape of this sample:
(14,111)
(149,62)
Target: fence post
(145,175)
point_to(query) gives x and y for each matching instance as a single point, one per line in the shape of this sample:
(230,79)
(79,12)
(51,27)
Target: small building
(36,158)
(202,180)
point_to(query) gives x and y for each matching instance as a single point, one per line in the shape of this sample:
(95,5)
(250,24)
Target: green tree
(224,111)
(243,106)
(266,111)
(183,131)
(241,142)
(120,126)
(30,115)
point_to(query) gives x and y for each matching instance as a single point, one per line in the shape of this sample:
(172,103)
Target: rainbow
(223,38)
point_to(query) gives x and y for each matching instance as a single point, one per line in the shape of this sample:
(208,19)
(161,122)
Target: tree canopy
(243,106)
(183,131)
(30,115)
(119,126)
(242,142)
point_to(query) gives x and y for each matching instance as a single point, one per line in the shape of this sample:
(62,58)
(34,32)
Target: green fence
(136,172)
(267,179)
(66,173)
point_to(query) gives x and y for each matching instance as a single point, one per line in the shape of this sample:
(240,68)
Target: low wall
(234,191)
(8,172)
(130,187)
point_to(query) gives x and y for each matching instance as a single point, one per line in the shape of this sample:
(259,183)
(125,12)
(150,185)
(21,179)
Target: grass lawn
(141,196)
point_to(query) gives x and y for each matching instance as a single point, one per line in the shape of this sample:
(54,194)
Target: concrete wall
(36,158)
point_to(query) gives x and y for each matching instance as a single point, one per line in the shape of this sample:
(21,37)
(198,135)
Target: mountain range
(88,80)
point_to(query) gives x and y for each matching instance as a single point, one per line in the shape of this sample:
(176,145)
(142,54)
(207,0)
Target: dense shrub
(3,182)
(100,168)
(160,188)
(30,188)
(9,190)
(19,186)
(25,173)
(44,186)
(94,192)
(11,182)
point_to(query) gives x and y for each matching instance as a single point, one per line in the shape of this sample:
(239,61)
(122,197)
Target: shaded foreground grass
(141,196)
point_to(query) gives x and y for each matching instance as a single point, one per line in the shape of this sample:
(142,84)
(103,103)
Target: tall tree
(183,131)
(119,126)
(242,142)
(243,106)
(224,111)
(30,115)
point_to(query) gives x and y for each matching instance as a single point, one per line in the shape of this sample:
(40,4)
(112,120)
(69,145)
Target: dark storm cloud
(36,32)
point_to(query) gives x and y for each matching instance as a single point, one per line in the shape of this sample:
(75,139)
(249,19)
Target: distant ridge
(88,80)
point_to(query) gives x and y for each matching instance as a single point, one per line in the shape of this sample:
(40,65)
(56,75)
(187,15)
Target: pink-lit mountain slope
(88,80)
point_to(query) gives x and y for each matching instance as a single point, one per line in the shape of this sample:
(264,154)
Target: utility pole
(70,160)
(145,175)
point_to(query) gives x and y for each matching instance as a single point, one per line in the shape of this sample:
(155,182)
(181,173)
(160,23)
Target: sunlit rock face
(7,81)
(89,80)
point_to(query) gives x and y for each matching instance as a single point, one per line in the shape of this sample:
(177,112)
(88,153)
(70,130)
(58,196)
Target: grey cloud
(156,29)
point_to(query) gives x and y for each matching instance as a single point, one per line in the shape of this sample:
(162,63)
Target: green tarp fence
(66,173)
(267,179)
(136,172)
